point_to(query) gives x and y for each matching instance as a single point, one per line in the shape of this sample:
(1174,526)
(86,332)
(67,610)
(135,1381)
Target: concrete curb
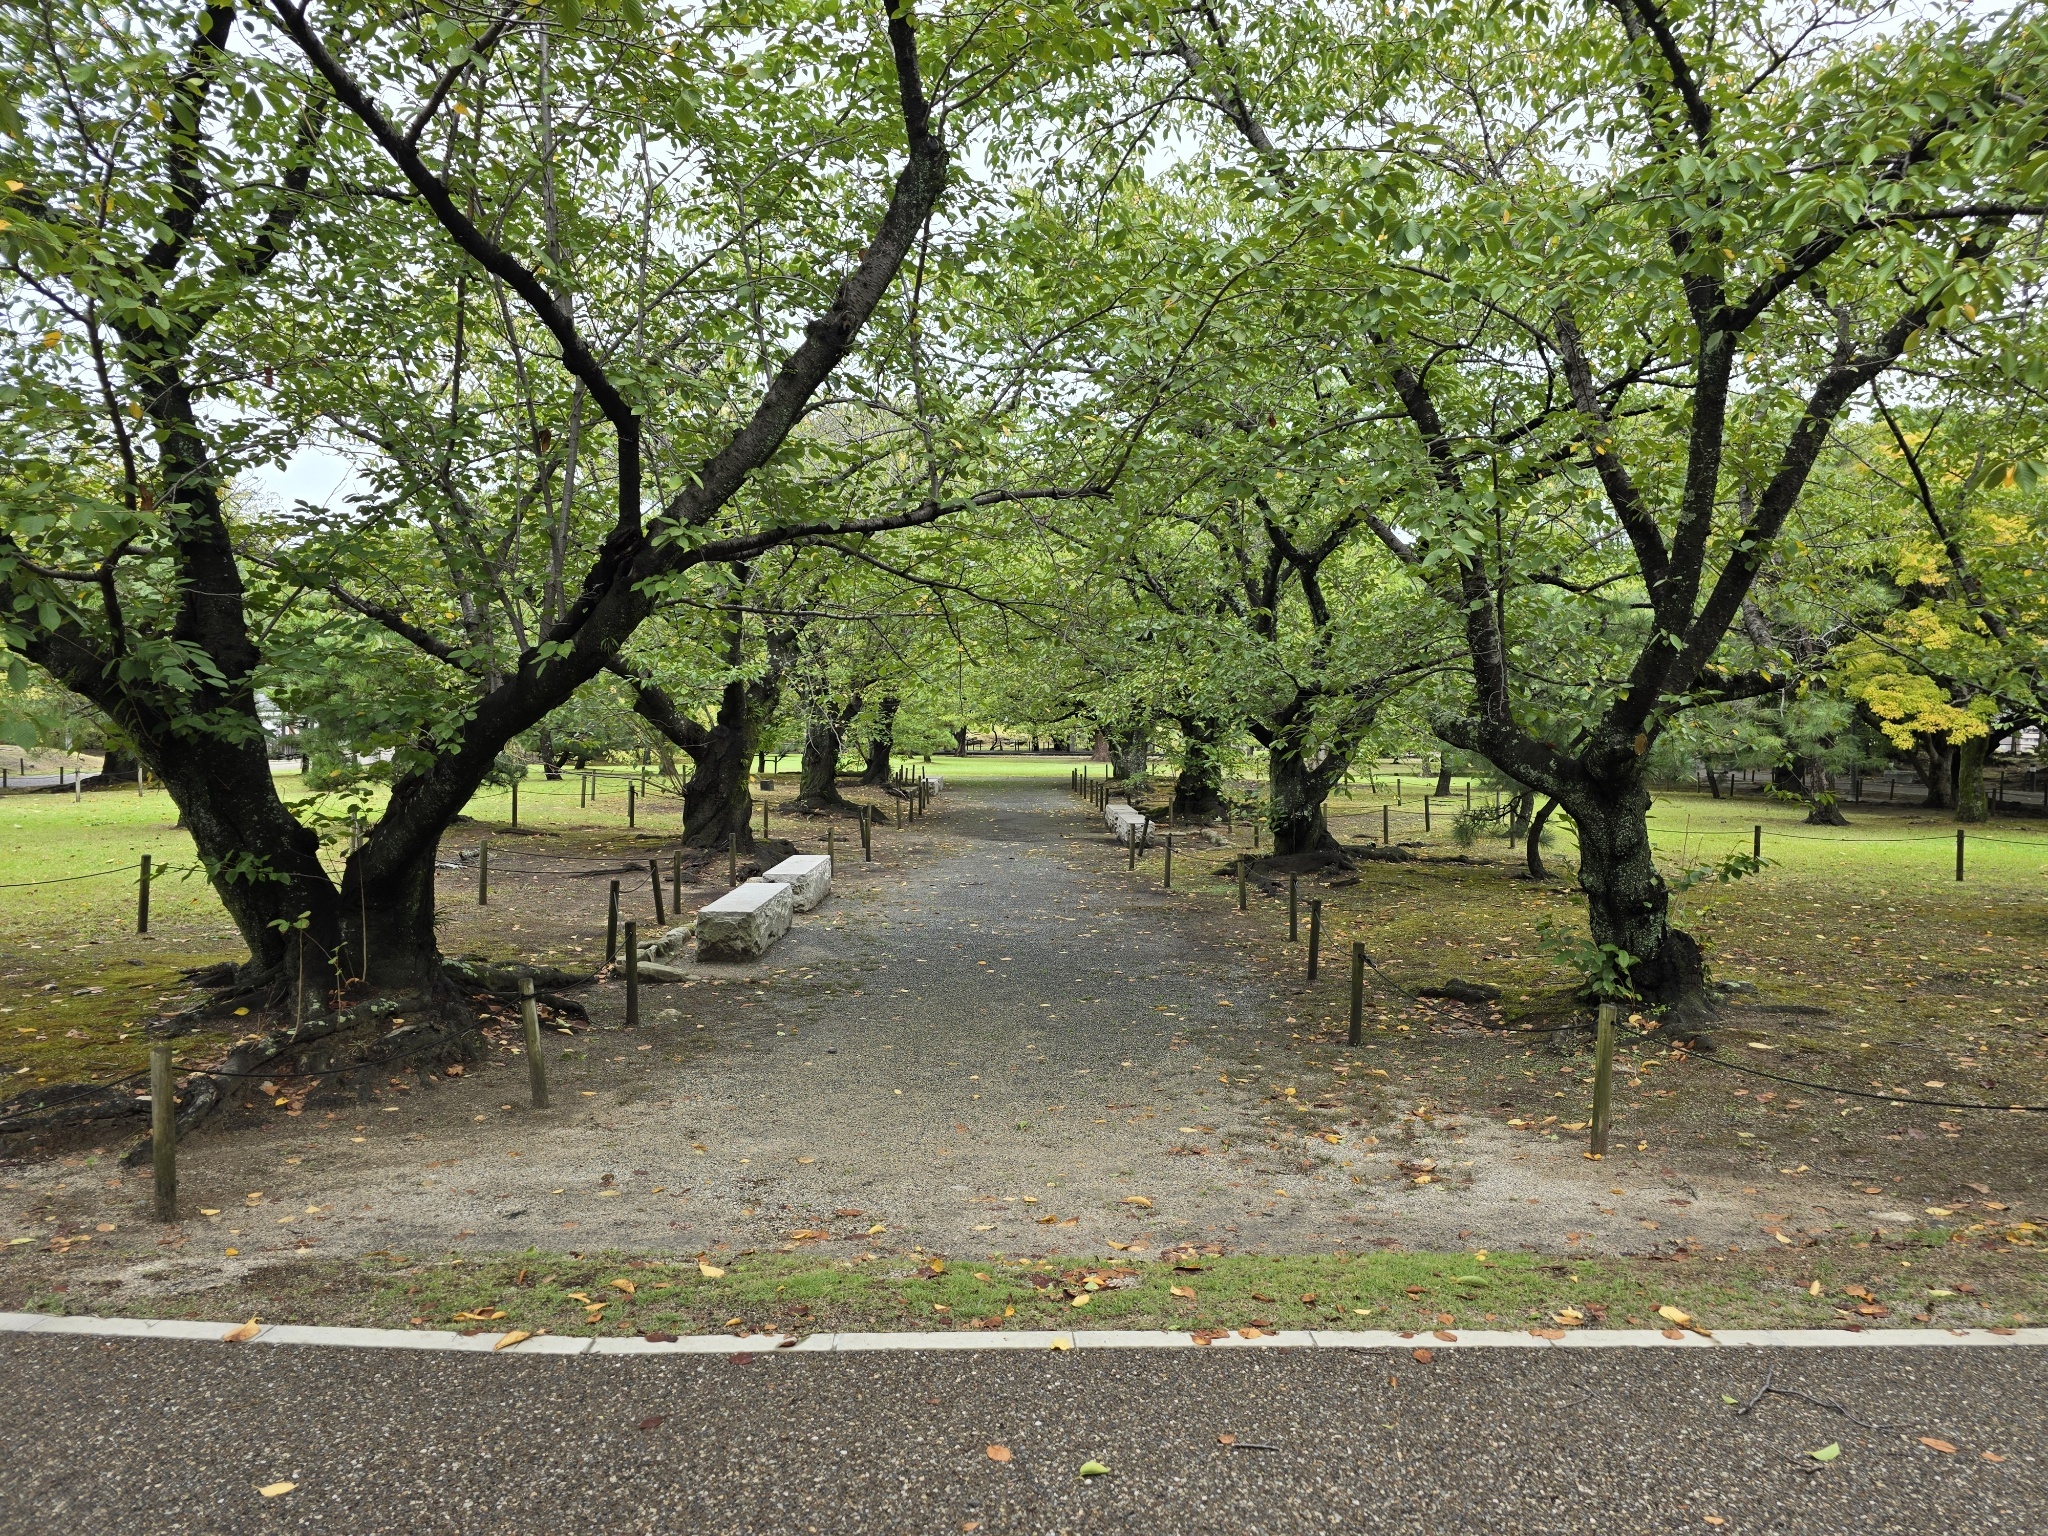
(1044,1342)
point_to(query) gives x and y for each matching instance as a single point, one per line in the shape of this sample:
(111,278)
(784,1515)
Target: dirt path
(996,1041)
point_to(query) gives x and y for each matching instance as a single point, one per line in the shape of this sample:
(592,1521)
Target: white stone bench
(1125,821)
(745,921)
(808,876)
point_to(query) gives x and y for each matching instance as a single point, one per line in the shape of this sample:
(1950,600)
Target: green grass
(1419,1292)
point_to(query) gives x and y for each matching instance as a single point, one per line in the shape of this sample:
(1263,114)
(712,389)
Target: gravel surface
(156,1437)
(989,1043)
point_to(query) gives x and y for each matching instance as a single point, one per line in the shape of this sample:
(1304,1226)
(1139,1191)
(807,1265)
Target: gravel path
(165,1438)
(997,1040)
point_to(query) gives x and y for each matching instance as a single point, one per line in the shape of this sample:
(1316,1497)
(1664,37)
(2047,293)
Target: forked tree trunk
(818,784)
(718,797)
(1130,750)
(1299,792)
(1532,857)
(1818,786)
(1932,755)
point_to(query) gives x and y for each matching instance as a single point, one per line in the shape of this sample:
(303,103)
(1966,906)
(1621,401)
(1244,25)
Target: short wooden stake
(831,852)
(142,898)
(632,974)
(582,790)
(611,927)
(1169,861)
(1131,839)
(1357,1036)
(1425,813)
(1294,909)
(529,1019)
(764,818)
(163,1132)
(483,873)
(1243,866)
(1756,841)
(630,804)
(732,858)
(1959,853)
(654,878)
(867,836)
(1315,934)
(1386,828)
(515,805)
(675,874)
(1603,1077)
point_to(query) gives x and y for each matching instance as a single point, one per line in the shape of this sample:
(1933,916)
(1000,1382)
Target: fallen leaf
(516,1336)
(275,1490)
(1715,1519)
(1674,1333)
(1184,1292)
(1444,1336)
(1226,1439)
(1138,1200)
(1083,1299)
(1813,1289)
(652,1422)
(1092,1469)
(243,1334)
(489,1315)
(1827,1452)
(710,1271)
(1061,1343)
(1423,1357)
(628,1286)
(1671,1314)
(999,1453)
(1937,1445)
(742,1358)
(1989,1456)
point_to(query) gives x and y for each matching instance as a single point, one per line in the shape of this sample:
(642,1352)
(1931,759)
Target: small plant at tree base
(1736,866)
(1602,968)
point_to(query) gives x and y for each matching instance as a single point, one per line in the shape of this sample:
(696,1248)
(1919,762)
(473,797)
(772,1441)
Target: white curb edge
(1078,1339)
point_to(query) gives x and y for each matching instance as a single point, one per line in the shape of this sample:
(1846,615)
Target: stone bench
(1123,821)
(745,922)
(808,876)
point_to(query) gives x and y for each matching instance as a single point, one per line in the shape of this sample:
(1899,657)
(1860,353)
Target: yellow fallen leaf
(1138,1200)
(807,1159)
(1185,1292)
(877,1230)
(710,1271)
(1671,1314)
(1083,1299)
(1813,1289)
(1061,1343)
(243,1334)
(623,1285)
(489,1315)
(276,1490)
(516,1336)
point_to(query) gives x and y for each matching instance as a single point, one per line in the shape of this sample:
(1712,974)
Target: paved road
(152,1437)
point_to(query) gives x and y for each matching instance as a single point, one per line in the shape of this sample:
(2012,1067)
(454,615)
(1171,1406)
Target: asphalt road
(145,1437)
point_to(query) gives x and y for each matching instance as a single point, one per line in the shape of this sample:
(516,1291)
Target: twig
(1770,1388)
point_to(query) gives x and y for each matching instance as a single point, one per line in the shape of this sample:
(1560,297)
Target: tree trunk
(550,759)
(117,770)
(1932,755)
(1443,775)
(1818,786)
(818,786)
(718,797)
(1713,781)
(960,741)
(1532,857)
(1520,804)
(882,743)
(1298,792)
(1130,750)
(1628,904)
(1972,804)
(1198,790)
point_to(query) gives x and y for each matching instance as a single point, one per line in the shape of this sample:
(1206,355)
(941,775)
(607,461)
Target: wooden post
(1959,853)
(1756,841)
(529,1019)
(632,974)
(138,781)
(483,873)
(142,898)
(582,790)
(1169,861)
(163,1131)
(1425,813)
(1243,864)
(1294,909)
(611,927)
(654,878)
(1131,840)
(630,803)
(1603,1077)
(1315,934)
(732,858)
(515,805)
(764,818)
(1386,827)
(831,852)
(1357,1036)
(867,836)
(675,875)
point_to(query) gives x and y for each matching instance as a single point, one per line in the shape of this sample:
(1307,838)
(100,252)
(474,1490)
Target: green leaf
(1827,1452)
(1096,1469)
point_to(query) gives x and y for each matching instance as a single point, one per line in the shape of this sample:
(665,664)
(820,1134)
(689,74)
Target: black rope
(1855,1093)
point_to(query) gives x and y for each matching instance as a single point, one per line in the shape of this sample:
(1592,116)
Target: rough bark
(1443,777)
(1532,857)
(824,734)
(1933,756)
(881,745)
(1198,790)
(1299,791)
(117,770)
(1972,803)
(1130,750)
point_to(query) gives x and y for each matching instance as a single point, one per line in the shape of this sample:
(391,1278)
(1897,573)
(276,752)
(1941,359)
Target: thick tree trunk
(1443,776)
(1532,857)
(117,770)
(1299,791)
(1130,750)
(718,798)
(1932,755)
(1818,786)
(1972,804)
(550,759)
(960,734)
(818,786)
(1198,790)
(1628,904)
(882,743)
